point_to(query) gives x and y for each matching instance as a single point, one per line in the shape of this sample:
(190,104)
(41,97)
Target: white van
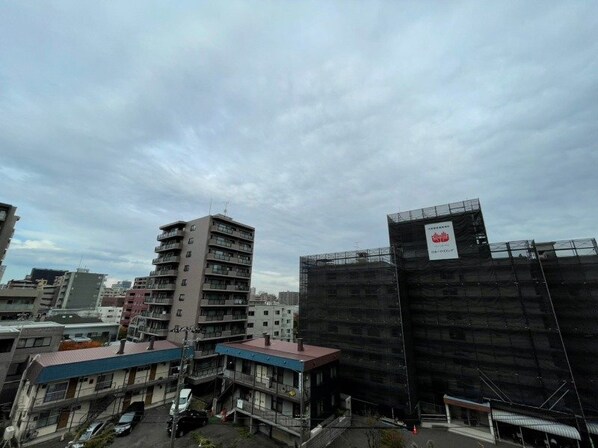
(184,401)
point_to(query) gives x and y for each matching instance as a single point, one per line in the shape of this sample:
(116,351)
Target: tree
(392,438)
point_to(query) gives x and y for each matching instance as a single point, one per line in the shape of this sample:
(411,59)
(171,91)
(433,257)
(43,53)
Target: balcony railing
(171,234)
(266,384)
(16,307)
(221,257)
(154,331)
(170,259)
(169,246)
(167,286)
(204,353)
(222,302)
(221,242)
(291,424)
(158,300)
(156,316)
(164,273)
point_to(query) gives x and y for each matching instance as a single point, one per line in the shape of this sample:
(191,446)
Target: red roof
(90,354)
(287,350)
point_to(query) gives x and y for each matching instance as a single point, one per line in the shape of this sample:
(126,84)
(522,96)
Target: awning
(463,403)
(593,428)
(538,424)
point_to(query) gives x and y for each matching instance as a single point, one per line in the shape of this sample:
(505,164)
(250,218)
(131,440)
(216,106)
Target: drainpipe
(301,407)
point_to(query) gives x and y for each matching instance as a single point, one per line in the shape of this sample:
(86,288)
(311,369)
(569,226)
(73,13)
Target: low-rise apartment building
(287,391)
(62,391)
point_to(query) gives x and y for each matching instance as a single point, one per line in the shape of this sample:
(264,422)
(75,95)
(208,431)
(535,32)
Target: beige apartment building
(201,280)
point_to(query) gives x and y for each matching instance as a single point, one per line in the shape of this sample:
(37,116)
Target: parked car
(93,430)
(187,421)
(184,401)
(129,419)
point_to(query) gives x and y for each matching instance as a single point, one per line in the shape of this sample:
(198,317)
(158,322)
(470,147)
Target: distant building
(20,303)
(140,282)
(49,275)
(19,340)
(274,319)
(134,305)
(110,314)
(80,326)
(80,289)
(287,391)
(62,391)
(288,297)
(8,219)
(113,298)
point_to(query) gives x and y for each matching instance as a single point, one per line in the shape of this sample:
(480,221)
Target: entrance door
(153,369)
(259,399)
(132,373)
(127,400)
(148,395)
(63,419)
(70,392)
(261,374)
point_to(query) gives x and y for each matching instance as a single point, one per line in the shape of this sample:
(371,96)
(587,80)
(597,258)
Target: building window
(265,313)
(47,418)
(188,254)
(276,322)
(333,372)
(319,378)
(193,227)
(181,297)
(179,312)
(288,311)
(250,325)
(277,404)
(56,391)
(186,268)
(277,312)
(104,381)
(190,241)
(251,313)
(265,324)
(276,333)
(184,282)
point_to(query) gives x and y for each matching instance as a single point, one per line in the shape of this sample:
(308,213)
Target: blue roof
(264,358)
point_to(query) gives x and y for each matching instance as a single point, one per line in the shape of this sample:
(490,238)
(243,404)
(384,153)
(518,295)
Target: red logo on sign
(442,238)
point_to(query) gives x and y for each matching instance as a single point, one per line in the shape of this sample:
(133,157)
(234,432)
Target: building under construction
(500,337)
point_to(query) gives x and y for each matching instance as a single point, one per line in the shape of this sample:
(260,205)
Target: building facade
(62,392)
(134,305)
(284,390)
(20,303)
(201,280)
(8,219)
(80,290)
(20,340)
(288,297)
(492,333)
(277,320)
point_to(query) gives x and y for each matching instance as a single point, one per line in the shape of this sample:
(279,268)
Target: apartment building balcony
(159,332)
(171,234)
(285,422)
(158,300)
(222,272)
(200,354)
(225,230)
(202,376)
(13,307)
(222,318)
(268,385)
(218,257)
(222,302)
(243,247)
(51,401)
(221,242)
(167,259)
(164,273)
(156,316)
(212,335)
(169,246)
(163,286)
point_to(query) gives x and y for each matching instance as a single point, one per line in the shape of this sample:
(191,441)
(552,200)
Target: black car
(187,421)
(132,415)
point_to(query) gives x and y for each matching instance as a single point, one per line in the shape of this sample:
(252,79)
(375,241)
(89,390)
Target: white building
(272,318)
(110,314)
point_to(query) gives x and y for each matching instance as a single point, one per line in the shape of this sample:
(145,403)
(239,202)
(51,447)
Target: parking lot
(151,432)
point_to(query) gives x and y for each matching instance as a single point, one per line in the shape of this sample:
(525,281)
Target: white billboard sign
(440,238)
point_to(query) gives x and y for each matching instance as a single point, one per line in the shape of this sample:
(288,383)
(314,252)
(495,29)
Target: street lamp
(181,377)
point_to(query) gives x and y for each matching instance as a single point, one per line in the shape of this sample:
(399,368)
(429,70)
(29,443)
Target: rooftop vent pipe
(151,343)
(266,339)
(121,350)
(299,344)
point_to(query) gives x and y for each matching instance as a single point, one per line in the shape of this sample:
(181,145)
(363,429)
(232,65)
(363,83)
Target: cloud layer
(312,120)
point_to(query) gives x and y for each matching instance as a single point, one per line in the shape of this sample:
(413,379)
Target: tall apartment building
(495,336)
(201,280)
(80,290)
(8,219)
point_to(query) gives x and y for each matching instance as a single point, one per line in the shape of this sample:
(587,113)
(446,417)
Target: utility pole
(180,379)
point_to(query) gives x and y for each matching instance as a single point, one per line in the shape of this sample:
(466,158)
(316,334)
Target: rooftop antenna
(225,208)
(210,212)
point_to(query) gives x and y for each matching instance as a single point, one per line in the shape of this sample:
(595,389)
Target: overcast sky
(312,120)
